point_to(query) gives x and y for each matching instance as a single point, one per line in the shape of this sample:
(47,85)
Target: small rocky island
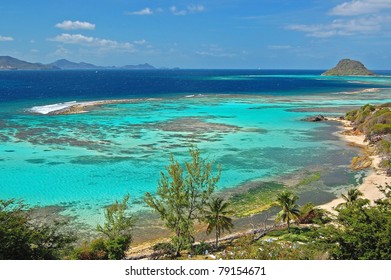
(348,67)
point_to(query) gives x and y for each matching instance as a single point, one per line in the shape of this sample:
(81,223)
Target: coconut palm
(217,217)
(290,210)
(352,196)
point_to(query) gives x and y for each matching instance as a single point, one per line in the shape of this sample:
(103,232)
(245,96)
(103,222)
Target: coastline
(376,176)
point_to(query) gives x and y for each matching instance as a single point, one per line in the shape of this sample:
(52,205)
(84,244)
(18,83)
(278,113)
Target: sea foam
(47,109)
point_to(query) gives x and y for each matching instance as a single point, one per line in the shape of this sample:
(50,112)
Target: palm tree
(216,217)
(290,210)
(352,196)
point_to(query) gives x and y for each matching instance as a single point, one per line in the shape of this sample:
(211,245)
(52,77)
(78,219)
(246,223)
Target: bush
(22,238)
(165,248)
(380,128)
(96,250)
(201,248)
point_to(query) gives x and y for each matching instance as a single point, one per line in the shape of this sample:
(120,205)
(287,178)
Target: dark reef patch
(36,160)
(98,159)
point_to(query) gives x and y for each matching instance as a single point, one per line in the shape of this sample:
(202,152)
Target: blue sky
(268,34)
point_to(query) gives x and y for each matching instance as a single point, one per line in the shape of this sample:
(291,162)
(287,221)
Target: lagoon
(250,122)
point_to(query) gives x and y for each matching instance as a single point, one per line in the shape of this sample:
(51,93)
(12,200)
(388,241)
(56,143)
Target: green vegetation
(310,214)
(373,121)
(117,235)
(181,196)
(364,232)
(217,217)
(351,197)
(358,231)
(348,67)
(22,238)
(289,209)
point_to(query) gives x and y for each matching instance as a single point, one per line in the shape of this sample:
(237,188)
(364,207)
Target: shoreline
(376,175)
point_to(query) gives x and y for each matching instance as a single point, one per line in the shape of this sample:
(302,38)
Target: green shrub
(380,129)
(165,248)
(96,250)
(22,238)
(201,248)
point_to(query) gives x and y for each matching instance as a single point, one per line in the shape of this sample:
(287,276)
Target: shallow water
(87,161)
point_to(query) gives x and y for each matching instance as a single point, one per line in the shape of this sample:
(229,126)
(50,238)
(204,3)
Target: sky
(213,34)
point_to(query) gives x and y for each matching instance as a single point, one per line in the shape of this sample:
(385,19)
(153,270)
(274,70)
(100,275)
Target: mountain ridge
(11,63)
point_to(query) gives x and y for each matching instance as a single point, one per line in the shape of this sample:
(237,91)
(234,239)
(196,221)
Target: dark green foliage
(164,248)
(364,233)
(216,216)
(385,203)
(350,198)
(117,229)
(181,196)
(21,238)
(116,247)
(96,250)
(117,235)
(309,214)
(289,209)
(201,248)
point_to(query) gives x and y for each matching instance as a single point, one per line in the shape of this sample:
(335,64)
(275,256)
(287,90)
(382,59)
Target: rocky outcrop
(317,118)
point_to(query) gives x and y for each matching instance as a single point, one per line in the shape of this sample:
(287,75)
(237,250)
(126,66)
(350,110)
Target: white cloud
(5,39)
(341,27)
(74,25)
(143,12)
(104,44)
(191,9)
(177,12)
(360,7)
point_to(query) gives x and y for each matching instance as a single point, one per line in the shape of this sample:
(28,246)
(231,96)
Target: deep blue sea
(249,121)
(86,85)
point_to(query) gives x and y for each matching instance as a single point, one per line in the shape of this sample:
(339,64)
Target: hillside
(66,64)
(348,67)
(11,63)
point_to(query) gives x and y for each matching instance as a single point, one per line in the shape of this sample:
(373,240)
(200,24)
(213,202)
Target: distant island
(348,67)
(11,63)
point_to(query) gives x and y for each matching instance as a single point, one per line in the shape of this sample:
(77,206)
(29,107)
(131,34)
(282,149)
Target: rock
(317,118)
(348,67)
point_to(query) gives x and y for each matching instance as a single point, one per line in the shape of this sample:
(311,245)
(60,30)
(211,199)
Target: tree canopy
(181,195)
(22,238)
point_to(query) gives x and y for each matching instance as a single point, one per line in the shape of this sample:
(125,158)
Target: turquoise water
(86,161)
